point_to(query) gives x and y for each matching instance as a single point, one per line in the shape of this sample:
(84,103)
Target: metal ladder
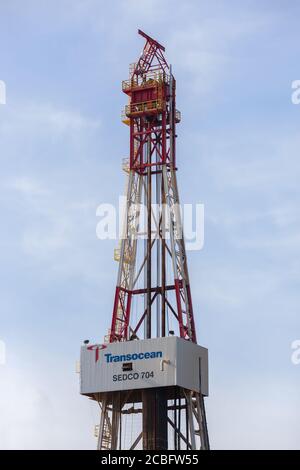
(105,434)
(196,408)
(200,415)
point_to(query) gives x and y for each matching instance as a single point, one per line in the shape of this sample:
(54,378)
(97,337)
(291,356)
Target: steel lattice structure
(153,279)
(152,117)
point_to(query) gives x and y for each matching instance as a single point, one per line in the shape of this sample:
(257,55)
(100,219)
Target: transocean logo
(123,357)
(96,348)
(133,357)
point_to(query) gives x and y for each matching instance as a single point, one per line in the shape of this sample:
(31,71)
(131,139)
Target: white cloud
(205,51)
(228,289)
(254,414)
(44,242)
(44,412)
(64,120)
(47,118)
(256,159)
(26,186)
(280,217)
(58,229)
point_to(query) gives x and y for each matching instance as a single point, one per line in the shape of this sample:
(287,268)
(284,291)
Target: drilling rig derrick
(150,367)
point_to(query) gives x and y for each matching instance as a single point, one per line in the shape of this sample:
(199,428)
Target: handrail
(134,108)
(151,78)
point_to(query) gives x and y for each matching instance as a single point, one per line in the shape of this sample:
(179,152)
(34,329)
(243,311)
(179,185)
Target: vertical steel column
(149,238)
(155,419)
(158,252)
(163,259)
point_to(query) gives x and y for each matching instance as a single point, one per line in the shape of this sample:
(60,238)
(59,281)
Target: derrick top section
(151,66)
(151,40)
(150,89)
(152,57)
(151,110)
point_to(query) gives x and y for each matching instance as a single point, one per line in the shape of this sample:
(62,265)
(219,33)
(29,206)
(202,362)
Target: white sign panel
(139,364)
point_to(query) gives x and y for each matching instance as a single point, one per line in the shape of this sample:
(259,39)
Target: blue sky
(238,153)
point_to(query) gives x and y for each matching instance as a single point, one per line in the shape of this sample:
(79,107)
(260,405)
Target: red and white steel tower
(153,294)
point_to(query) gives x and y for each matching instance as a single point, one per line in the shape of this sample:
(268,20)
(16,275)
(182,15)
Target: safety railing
(140,108)
(152,78)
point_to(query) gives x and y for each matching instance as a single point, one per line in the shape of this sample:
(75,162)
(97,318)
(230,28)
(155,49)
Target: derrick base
(137,365)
